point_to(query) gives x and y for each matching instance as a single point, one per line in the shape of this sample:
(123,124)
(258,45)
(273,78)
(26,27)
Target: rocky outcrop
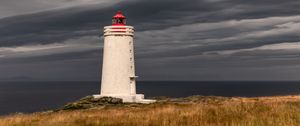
(91,102)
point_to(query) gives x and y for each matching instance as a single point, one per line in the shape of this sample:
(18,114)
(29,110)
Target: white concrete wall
(118,70)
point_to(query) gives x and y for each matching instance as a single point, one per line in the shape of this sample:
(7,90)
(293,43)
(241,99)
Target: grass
(191,111)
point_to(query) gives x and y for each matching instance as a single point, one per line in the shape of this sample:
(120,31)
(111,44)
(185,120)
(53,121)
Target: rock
(91,102)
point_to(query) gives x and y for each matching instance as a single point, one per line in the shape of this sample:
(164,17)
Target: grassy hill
(190,111)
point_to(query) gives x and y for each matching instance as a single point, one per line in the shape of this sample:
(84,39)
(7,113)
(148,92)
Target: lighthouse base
(138,98)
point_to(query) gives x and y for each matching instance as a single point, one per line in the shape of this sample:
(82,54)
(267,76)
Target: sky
(175,40)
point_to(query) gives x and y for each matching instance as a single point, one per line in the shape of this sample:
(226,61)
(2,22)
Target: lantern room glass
(118,21)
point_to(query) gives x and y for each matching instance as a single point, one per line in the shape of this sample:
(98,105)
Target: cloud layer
(175,40)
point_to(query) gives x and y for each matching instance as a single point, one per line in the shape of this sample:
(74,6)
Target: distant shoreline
(41,96)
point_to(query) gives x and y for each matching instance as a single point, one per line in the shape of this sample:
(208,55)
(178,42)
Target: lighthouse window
(114,21)
(118,21)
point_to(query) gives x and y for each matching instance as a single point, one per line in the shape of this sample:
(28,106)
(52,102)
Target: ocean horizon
(34,96)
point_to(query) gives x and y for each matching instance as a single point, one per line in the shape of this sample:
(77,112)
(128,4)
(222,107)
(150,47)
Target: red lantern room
(119,19)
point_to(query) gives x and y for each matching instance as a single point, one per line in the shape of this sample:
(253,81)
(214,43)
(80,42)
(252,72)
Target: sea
(29,97)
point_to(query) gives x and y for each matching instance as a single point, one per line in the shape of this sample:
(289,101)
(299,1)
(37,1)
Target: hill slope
(190,111)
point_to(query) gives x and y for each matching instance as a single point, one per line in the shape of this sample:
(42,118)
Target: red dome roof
(119,15)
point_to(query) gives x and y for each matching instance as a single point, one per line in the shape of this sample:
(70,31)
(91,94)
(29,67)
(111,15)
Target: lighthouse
(118,69)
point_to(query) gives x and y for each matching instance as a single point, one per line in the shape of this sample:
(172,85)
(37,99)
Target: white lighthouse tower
(118,71)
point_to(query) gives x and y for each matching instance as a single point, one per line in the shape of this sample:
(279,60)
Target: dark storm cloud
(188,38)
(145,15)
(58,25)
(17,7)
